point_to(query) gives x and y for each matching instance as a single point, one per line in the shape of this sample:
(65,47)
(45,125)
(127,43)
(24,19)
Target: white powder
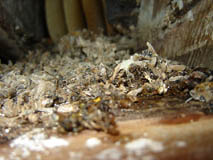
(143,145)
(111,153)
(2,158)
(181,144)
(93,142)
(37,141)
(76,155)
(7,130)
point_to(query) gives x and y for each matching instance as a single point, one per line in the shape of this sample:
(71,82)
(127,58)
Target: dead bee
(93,115)
(203,92)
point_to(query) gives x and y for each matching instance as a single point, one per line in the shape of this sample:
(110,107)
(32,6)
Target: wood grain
(74,15)
(55,19)
(183,33)
(94,15)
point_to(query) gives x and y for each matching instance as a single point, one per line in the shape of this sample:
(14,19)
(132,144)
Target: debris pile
(85,78)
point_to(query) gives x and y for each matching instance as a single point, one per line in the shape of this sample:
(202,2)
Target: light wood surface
(73,11)
(55,19)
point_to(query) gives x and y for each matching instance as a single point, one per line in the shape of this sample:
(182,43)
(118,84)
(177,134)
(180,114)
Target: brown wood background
(184,34)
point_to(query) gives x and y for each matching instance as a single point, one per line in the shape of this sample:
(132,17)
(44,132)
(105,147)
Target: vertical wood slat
(74,15)
(55,19)
(94,15)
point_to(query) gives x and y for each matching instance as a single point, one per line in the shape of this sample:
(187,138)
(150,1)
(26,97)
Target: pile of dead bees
(75,86)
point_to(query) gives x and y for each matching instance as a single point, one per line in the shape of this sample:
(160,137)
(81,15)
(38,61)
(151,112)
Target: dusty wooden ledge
(189,138)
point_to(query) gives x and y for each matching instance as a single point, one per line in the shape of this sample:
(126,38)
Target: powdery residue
(76,155)
(181,144)
(93,142)
(111,153)
(2,158)
(36,140)
(143,145)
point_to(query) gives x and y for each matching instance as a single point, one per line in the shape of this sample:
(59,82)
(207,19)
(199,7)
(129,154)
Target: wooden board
(153,138)
(94,15)
(55,19)
(74,15)
(181,30)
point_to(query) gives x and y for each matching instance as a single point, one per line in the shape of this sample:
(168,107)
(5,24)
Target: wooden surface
(55,19)
(74,15)
(94,15)
(183,33)
(187,138)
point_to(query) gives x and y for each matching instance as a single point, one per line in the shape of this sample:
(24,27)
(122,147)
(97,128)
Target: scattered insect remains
(87,82)
(94,115)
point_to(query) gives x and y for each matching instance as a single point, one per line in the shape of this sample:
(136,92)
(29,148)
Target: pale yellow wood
(55,19)
(94,15)
(74,15)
